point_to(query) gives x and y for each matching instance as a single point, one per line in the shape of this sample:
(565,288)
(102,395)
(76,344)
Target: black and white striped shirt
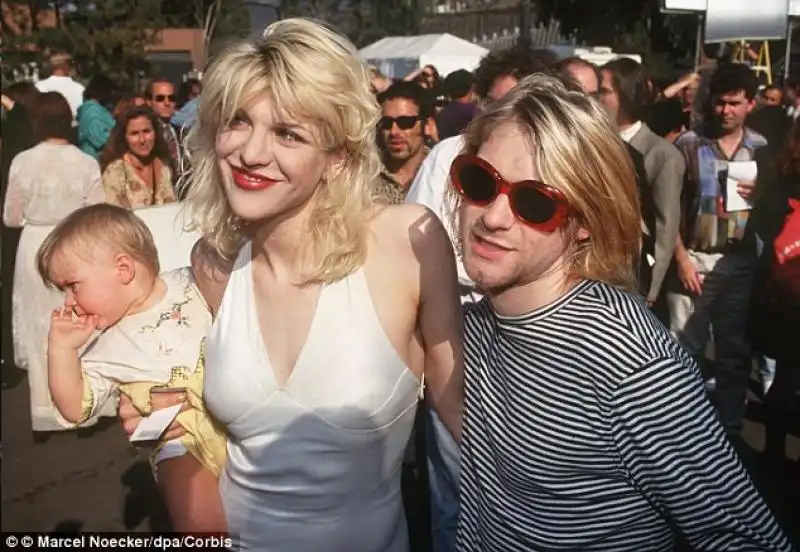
(583,421)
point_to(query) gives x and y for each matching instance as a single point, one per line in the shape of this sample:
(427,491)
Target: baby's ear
(126,268)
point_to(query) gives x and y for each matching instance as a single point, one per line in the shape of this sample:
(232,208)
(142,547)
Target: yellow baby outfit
(161,347)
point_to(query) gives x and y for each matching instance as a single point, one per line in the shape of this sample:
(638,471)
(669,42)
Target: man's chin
(487,280)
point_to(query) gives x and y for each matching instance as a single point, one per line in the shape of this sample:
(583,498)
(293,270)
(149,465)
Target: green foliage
(103,36)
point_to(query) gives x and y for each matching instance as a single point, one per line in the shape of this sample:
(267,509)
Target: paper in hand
(151,428)
(739,171)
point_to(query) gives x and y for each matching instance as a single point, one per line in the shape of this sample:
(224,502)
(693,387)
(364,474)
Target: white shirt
(430,187)
(628,134)
(67,87)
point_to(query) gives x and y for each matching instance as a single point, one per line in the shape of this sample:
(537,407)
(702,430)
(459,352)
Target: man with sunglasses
(586,425)
(160,96)
(496,74)
(407,121)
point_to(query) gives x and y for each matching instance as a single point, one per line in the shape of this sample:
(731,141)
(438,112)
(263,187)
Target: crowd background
(94,142)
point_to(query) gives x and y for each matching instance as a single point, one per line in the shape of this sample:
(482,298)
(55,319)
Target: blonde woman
(328,309)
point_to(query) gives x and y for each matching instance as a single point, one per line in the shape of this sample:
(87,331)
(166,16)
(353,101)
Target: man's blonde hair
(577,151)
(101,224)
(311,73)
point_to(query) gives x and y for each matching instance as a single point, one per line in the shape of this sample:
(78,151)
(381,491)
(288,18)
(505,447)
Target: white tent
(599,55)
(397,56)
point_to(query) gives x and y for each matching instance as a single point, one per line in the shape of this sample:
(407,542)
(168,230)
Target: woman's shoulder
(408,235)
(408,221)
(211,271)
(115,165)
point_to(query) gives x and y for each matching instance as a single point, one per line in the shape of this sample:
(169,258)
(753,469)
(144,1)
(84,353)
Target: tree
(111,36)
(103,36)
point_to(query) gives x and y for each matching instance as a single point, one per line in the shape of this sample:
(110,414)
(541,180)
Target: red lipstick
(250,181)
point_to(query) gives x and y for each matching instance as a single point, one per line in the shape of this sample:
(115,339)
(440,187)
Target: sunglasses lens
(477,184)
(532,205)
(406,122)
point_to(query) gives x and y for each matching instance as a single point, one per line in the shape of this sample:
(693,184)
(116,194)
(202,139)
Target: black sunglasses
(404,122)
(164,98)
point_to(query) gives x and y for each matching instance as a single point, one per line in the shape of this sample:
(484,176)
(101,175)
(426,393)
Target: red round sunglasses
(534,203)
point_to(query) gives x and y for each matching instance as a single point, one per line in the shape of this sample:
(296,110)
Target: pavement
(94,480)
(86,480)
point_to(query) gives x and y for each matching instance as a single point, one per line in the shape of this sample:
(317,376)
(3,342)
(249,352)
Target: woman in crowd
(45,184)
(19,105)
(136,162)
(328,308)
(94,118)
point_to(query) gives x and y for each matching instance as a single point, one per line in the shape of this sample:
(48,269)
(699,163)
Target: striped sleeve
(676,453)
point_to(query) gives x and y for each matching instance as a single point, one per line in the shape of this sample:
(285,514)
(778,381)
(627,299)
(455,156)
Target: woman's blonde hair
(312,73)
(100,224)
(578,152)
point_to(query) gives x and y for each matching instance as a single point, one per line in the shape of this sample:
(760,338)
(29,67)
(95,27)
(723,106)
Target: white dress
(45,184)
(313,465)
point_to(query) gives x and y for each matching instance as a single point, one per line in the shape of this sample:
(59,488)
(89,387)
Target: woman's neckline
(136,163)
(56,141)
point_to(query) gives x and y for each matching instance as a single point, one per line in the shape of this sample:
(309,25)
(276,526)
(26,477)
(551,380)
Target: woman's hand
(131,417)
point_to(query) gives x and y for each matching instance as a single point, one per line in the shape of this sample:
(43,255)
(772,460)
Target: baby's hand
(68,331)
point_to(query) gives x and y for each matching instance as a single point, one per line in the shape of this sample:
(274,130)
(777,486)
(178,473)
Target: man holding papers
(714,259)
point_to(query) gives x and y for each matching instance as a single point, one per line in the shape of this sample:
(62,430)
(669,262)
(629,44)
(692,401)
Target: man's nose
(498,215)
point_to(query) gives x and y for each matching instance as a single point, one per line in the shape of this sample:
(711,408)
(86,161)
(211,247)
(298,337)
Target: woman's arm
(191,494)
(440,320)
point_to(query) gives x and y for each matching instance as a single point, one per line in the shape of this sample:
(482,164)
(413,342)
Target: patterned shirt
(706,226)
(393,192)
(124,187)
(587,428)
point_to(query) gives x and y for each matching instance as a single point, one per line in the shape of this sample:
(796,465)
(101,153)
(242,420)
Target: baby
(152,327)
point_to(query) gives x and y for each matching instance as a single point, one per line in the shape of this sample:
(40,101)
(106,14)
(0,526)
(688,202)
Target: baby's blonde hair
(100,224)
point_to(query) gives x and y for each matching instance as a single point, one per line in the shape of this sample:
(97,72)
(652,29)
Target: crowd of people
(498,287)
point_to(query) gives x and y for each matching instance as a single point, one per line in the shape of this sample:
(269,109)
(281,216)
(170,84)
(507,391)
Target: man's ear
(126,268)
(582,234)
(429,127)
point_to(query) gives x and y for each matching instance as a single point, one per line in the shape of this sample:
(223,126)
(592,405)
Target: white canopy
(397,56)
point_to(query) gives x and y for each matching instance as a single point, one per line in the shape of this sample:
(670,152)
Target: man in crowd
(61,81)
(587,75)
(585,424)
(624,94)
(406,122)
(715,261)
(497,73)
(459,86)
(160,96)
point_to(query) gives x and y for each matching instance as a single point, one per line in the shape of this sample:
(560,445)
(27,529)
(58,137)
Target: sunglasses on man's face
(533,203)
(164,98)
(404,122)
